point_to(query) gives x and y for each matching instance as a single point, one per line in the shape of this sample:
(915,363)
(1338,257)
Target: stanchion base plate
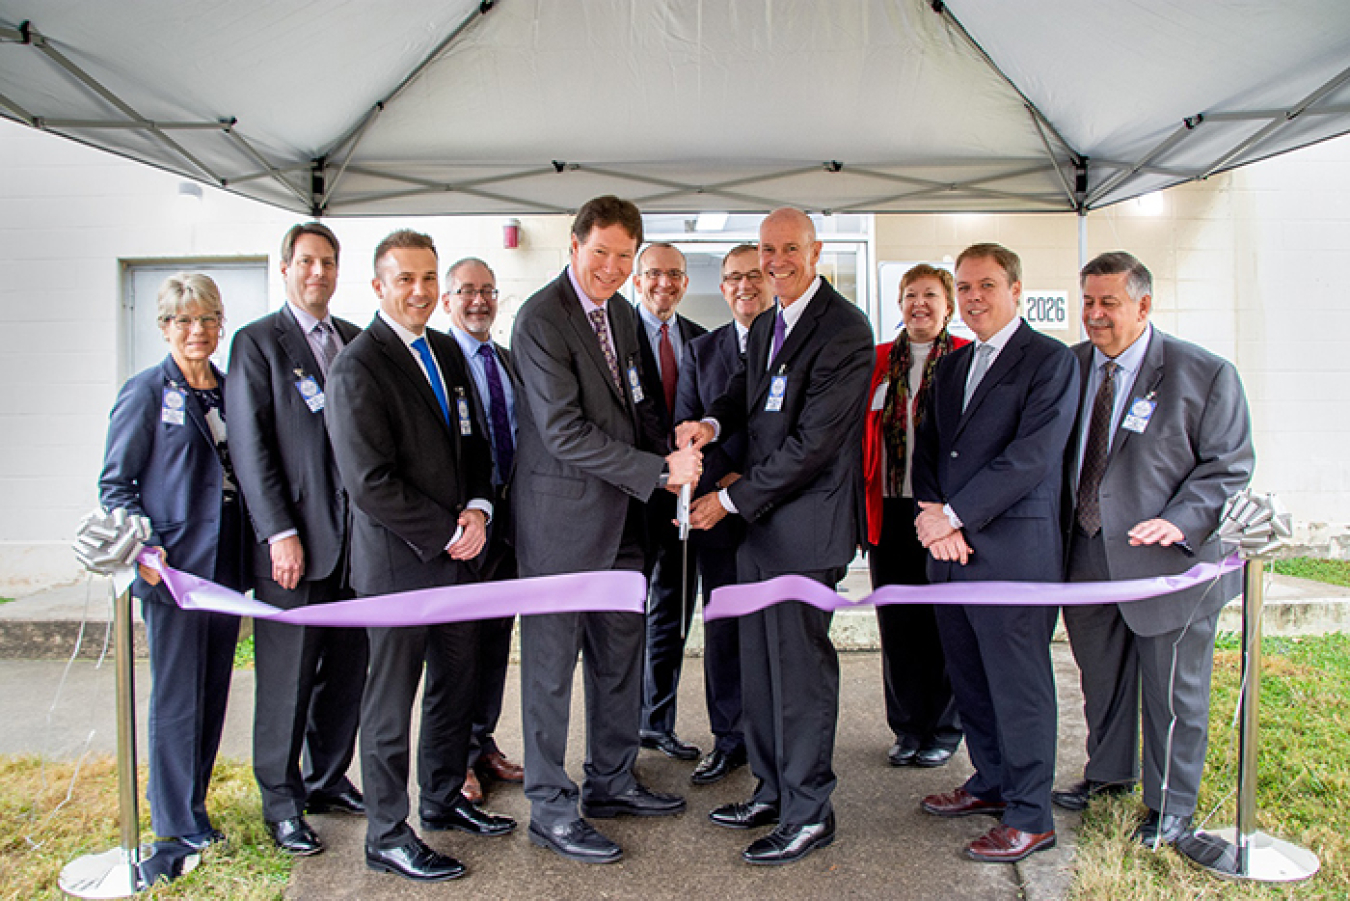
(115,874)
(1269,859)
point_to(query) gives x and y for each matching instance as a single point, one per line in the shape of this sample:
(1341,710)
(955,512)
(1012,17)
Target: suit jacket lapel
(194,410)
(585,332)
(401,357)
(1003,365)
(296,347)
(1150,376)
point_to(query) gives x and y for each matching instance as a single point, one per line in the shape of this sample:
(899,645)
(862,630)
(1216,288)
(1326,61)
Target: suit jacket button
(954,454)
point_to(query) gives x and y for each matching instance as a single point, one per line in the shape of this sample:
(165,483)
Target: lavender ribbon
(738,600)
(610,591)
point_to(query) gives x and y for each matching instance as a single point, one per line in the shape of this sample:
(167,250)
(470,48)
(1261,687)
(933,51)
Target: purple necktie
(779,336)
(503,446)
(670,369)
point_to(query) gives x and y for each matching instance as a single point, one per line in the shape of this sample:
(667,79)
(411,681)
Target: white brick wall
(1252,264)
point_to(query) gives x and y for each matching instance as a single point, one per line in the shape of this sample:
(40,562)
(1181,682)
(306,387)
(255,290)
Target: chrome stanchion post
(107,544)
(1243,851)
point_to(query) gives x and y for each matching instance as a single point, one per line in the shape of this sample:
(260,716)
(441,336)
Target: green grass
(1303,787)
(39,835)
(243,653)
(1333,572)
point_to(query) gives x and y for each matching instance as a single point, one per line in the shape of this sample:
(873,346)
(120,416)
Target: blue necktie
(503,447)
(423,351)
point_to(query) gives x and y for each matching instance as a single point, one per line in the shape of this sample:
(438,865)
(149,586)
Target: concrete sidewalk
(886,847)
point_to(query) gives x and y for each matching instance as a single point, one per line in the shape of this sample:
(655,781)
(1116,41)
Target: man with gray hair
(471,300)
(1163,439)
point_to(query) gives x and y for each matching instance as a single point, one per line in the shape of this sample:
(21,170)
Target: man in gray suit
(1163,440)
(586,463)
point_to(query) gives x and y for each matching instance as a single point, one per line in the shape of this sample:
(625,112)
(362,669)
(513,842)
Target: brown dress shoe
(472,789)
(959,803)
(1004,844)
(494,765)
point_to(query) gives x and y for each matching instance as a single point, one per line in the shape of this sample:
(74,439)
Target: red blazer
(874,445)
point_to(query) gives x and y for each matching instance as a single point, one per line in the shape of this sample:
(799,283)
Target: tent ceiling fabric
(360,107)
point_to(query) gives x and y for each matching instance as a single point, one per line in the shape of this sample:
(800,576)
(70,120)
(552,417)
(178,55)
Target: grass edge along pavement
(37,839)
(1303,783)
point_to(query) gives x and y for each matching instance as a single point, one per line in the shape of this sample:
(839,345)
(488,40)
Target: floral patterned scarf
(895,413)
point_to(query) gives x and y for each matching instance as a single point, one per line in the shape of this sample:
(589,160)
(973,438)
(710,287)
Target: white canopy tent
(366,107)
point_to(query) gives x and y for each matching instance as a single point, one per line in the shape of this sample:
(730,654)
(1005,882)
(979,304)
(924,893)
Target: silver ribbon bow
(107,543)
(1258,524)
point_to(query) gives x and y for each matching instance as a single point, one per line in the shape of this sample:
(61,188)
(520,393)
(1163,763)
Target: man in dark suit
(663,335)
(709,363)
(419,475)
(987,464)
(799,397)
(1163,440)
(309,678)
(471,300)
(588,460)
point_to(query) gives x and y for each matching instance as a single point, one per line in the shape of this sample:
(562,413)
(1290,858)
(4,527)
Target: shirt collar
(1131,358)
(468,343)
(652,321)
(1000,338)
(587,302)
(305,320)
(406,336)
(793,312)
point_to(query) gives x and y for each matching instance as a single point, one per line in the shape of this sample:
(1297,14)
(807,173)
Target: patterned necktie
(602,332)
(670,369)
(328,347)
(983,354)
(1094,453)
(423,351)
(503,444)
(779,336)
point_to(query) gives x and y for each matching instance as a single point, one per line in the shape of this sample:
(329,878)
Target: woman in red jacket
(919,705)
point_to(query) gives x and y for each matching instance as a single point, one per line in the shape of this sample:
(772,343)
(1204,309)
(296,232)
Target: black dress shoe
(348,800)
(414,860)
(638,801)
(468,818)
(1079,795)
(717,765)
(294,837)
(202,840)
(1162,829)
(745,815)
(933,756)
(670,745)
(789,843)
(577,840)
(901,755)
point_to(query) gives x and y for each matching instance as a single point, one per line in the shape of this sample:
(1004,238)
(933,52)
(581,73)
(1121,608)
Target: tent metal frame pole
(355,135)
(270,169)
(948,16)
(38,41)
(26,117)
(1167,143)
(1285,119)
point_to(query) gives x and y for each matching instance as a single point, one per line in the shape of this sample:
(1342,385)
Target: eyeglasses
(655,274)
(754,275)
(486,292)
(209,322)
